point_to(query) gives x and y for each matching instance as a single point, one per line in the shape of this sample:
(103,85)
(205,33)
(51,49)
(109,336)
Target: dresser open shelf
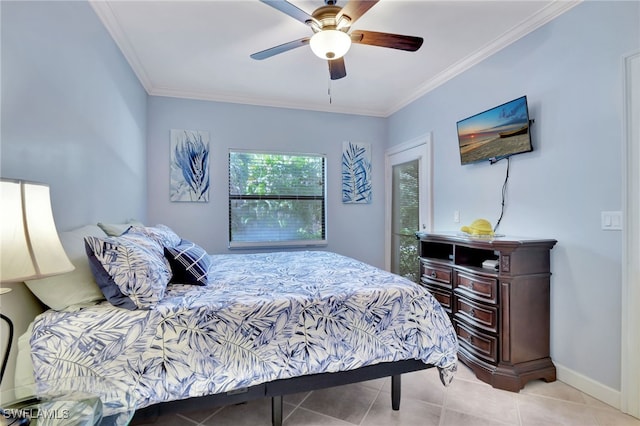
(501,315)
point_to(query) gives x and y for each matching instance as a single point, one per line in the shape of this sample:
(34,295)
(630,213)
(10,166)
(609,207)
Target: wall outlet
(456,216)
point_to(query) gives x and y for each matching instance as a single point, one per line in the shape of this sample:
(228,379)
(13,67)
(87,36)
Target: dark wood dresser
(501,314)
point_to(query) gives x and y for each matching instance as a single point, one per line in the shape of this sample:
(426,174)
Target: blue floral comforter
(261,317)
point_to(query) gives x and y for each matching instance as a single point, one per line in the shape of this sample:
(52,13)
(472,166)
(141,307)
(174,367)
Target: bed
(249,326)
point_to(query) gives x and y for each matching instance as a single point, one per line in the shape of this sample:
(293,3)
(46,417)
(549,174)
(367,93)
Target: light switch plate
(612,221)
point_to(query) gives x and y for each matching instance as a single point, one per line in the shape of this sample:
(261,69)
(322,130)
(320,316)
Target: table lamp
(29,244)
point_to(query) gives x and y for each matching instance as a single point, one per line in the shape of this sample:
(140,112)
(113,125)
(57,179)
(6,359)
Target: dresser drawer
(477,287)
(476,342)
(442,296)
(477,314)
(436,274)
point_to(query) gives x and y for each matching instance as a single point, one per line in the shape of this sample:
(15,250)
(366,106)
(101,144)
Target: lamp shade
(330,44)
(29,243)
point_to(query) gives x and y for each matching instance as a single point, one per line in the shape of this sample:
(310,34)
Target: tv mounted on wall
(495,134)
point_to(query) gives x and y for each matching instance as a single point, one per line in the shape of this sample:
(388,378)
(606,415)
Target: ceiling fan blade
(354,9)
(264,54)
(289,9)
(394,41)
(337,69)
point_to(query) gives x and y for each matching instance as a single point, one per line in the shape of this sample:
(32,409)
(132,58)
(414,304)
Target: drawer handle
(472,312)
(434,274)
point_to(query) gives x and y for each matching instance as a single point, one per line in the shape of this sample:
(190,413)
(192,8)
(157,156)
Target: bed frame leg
(276,410)
(395,392)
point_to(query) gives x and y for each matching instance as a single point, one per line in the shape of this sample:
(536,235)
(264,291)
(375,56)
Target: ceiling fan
(331,38)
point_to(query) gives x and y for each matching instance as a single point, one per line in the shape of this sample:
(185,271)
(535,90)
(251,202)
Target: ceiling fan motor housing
(324,18)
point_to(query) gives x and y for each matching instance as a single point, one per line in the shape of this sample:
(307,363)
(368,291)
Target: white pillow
(72,289)
(24,379)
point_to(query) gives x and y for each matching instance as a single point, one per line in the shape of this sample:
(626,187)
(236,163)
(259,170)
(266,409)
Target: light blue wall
(73,112)
(73,116)
(571,71)
(353,230)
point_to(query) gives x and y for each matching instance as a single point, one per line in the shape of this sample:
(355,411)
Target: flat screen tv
(495,134)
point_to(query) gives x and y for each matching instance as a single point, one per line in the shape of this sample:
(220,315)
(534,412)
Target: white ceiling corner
(200,49)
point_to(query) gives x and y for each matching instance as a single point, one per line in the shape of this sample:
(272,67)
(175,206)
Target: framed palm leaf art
(189,166)
(356,173)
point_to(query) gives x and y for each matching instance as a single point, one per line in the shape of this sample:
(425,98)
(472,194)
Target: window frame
(285,243)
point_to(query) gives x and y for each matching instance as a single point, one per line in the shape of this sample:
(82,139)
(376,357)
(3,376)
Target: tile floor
(466,402)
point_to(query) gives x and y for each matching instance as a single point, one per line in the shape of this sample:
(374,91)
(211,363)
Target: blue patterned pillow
(161,234)
(146,242)
(130,275)
(189,263)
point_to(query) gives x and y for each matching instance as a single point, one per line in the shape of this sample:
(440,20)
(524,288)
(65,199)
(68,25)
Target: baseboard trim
(589,386)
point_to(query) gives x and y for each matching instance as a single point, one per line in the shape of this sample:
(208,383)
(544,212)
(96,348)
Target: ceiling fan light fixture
(330,44)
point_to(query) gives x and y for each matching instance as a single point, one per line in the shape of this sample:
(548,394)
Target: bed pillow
(146,242)
(130,275)
(117,229)
(72,289)
(189,263)
(161,234)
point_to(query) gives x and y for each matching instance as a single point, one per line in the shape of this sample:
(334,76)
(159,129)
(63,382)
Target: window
(276,199)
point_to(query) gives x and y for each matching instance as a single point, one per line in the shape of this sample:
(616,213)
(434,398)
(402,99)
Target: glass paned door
(405,219)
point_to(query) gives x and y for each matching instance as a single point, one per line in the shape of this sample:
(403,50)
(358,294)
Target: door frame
(419,149)
(630,344)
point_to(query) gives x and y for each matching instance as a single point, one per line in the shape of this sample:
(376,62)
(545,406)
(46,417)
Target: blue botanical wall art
(356,173)
(189,166)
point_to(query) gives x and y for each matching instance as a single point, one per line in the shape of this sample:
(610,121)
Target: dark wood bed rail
(278,388)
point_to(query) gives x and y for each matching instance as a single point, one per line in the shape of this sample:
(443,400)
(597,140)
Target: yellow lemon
(478,227)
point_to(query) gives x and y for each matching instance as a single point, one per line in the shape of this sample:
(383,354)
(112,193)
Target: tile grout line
(444,404)
(183,417)
(201,423)
(517,398)
(296,406)
(371,405)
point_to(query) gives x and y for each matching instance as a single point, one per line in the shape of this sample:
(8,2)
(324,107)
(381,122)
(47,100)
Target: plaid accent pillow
(189,263)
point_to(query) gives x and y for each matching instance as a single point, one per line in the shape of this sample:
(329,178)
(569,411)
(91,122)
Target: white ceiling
(200,49)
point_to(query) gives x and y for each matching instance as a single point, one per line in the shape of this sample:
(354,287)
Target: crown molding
(110,21)
(245,100)
(545,15)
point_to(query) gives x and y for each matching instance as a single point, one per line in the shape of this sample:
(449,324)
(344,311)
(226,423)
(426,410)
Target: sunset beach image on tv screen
(496,133)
